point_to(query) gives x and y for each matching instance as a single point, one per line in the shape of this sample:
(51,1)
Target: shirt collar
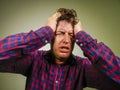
(50,58)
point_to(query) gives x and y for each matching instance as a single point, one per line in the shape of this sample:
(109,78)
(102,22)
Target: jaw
(60,60)
(61,56)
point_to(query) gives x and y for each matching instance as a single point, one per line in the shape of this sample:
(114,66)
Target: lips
(64,49)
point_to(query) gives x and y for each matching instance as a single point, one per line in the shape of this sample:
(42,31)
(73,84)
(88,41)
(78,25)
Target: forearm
(100,55)
(24,43)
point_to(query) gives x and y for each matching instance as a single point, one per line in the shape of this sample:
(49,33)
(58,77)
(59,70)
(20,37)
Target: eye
(71,35)
(60,33)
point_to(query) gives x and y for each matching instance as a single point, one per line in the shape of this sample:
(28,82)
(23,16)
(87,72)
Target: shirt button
(81,44)
(46,41)
(77,40)
(56,81)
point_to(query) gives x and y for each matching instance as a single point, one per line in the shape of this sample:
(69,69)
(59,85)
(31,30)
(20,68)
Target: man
(58,68)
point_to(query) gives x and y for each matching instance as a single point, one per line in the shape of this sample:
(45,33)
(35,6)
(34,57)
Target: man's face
(63,42)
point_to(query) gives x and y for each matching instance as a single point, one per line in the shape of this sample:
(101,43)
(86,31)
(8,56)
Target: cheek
(56,43)
(57,40)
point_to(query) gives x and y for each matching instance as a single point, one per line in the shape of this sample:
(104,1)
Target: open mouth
(64,49)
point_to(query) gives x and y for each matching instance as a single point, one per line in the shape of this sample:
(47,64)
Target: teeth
(64,48)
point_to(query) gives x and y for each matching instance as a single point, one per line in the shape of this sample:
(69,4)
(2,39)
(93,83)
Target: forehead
(64,25)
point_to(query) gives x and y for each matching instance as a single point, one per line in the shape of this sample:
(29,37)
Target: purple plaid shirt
(19,54)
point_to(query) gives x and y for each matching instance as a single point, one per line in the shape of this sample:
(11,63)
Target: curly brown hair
(69,15)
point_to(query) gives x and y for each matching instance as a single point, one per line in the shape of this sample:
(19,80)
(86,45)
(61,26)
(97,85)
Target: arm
(16,50)
(103,60)
(24,43)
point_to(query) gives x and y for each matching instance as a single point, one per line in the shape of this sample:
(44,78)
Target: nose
(66,39)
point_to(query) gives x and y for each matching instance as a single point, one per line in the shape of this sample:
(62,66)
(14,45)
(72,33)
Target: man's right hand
(52,21)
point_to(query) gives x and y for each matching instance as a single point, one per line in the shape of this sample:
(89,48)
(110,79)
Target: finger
(56,15)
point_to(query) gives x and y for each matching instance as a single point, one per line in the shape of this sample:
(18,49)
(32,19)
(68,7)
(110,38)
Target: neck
(59,62)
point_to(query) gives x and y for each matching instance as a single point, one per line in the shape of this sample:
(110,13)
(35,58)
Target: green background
(100,18)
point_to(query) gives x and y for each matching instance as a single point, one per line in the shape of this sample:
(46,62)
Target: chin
(65,56)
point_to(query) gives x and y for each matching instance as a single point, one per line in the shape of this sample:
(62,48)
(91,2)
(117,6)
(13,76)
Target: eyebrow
(61,30)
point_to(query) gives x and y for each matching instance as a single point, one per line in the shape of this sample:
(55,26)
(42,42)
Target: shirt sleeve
(15,50)
(101,56)
(24,43)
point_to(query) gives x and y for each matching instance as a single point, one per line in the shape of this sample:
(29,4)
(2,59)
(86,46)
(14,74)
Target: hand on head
(65,13)
(52,21)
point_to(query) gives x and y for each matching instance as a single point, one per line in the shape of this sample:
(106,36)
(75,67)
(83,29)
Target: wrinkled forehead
(64,26)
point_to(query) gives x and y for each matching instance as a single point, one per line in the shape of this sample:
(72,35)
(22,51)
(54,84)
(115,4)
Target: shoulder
(82,61)
(39,54)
